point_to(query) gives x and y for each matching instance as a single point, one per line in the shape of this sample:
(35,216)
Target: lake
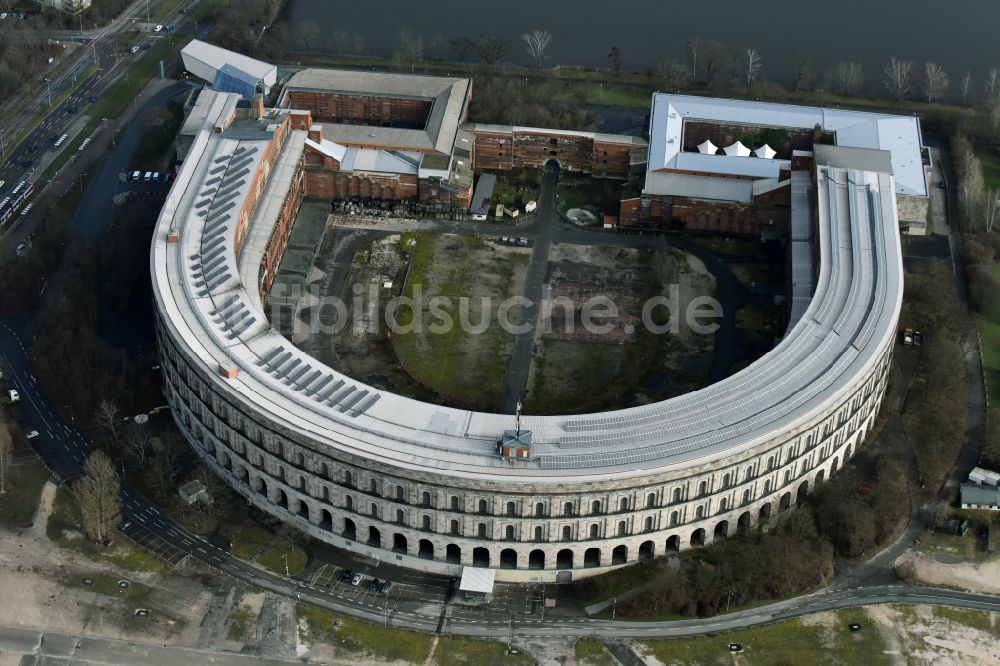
(961,35)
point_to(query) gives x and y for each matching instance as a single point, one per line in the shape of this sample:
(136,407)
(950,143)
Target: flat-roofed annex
(448,98)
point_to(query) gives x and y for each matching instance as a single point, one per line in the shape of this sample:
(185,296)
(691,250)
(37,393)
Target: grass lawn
(990,162)
(241,617)
(273,558)
(248,540)
(592,651)
(472,652)
(600,588)
(970,618)
(116,99)
(107,584)
(989,331)
(362,638)
(790,642)
(24,485)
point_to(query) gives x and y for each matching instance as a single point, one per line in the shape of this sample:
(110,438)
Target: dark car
(346,575)
(386,586)
(374,584)
(34,148)
(94,98)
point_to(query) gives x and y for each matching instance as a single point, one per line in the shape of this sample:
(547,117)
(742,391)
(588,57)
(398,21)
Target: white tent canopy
(765,152)
(738,149)
(707,148)
(477,579)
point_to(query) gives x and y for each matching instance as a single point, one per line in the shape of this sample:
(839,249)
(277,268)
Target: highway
(20,162)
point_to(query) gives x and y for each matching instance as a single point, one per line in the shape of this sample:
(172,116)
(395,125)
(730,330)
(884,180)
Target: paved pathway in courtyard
(546,221)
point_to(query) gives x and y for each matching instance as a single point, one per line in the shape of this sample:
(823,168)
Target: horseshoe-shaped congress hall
(556,498)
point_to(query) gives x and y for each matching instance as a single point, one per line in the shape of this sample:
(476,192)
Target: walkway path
(534,282)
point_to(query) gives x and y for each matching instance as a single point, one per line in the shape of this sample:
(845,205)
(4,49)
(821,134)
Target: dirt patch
(971,576)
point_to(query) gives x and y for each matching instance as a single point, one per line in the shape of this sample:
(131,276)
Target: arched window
(595,507)
(594,529)
(425,498)
(454,527)
(702,489)
(648,524)
(749,474)
(746,496)
(699,512)
(621,528)
(539,509)
(538,533)
(374,510)
(399,493)
(509,533)
(770,463)
(482,506)
(676,496)
(673,518)
(650,500)
(425,522)
(623,504)
(723,504)
(399,516)
(348,502)
(348,479)
(454,503)
(567,533)
(373,486)
(568,509)
(481,530)
(725,481)
(511,509)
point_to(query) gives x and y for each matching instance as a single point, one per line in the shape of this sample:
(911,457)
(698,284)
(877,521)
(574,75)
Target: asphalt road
(20,162)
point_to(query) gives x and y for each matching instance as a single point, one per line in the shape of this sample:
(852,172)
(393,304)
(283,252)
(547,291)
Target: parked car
(134,49)
(356,580)
(32,434)
(13,395)
(158,28)
(156,176)
(386,586)
(148,177)
(346,575)
(136,175)
(374,584)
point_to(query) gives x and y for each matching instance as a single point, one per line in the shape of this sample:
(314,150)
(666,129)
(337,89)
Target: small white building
(477,583)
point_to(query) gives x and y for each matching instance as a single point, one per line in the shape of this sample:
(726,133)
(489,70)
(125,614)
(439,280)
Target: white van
(148,177)
(136,175)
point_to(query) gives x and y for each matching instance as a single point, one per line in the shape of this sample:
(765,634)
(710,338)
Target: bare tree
(897,78)
(990,209)
(970,178)
(994,107)
(492,48)
(616,60)
(537,41)
(137,445)
(848,78)
(713,56)
(6,450)
(966,83)
(671,73)
(411,48)
(752,64)
(802,74)
(935,81)
(97,493)
(307,32)
(692,45)
(463,47)
(107,417)
(992,86)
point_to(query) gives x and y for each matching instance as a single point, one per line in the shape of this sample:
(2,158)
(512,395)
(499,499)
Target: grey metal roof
(981,495)
(900,135)
(448,97)
(842,335)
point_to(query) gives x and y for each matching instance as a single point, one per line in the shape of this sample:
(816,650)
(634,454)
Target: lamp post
(48,91)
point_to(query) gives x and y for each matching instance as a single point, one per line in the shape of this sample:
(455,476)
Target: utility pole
(147,12)
(284,556)
(48,91)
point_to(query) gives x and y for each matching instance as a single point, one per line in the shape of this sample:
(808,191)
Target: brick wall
(574,152)
(341,108)
(336,185)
